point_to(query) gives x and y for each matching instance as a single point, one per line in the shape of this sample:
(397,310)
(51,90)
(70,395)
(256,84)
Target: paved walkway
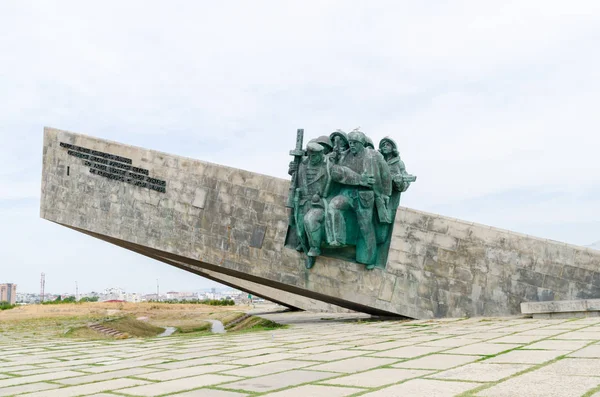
(316,357)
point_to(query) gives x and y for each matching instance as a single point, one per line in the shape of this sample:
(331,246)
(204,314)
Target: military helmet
(314,147)
(324,141)
(358,136)
(342,136)
(369,143)
(390,141)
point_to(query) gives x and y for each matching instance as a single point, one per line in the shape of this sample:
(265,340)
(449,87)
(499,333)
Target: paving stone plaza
(336,356)
(231,225)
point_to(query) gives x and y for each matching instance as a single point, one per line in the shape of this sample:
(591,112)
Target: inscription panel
(115,167)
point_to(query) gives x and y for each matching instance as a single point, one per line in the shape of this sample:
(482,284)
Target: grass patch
(592,392)
(256,324)
(6,306)
(126,325)
(134,327)
(227,317)
(86,333)
(201,326)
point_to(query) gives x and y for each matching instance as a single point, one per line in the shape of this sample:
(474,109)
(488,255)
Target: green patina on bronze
(343,197)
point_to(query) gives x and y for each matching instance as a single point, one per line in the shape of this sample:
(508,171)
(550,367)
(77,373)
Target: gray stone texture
(315,391)
(278,381)
(437,266)
(568,309)
(482,372)
(424,388)
(378,377)
(542,385)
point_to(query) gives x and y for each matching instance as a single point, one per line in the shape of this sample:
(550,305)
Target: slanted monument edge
(235,222)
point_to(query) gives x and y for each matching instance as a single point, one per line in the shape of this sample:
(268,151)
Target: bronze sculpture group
(345,193)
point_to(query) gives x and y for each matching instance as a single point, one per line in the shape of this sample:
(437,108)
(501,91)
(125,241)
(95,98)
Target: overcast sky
(494,104)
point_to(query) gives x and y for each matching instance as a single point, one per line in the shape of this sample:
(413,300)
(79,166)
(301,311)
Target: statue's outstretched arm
(345,175)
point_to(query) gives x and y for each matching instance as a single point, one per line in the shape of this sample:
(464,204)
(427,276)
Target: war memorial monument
(333,238)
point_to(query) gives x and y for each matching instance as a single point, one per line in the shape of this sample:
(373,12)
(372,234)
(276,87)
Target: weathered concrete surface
(211,216)
(562,309)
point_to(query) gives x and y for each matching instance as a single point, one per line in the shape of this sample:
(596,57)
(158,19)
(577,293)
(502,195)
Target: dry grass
(54,320)
(201,326)
(87,333)
(134,327)
(127,325)
(255,324)
(145,309)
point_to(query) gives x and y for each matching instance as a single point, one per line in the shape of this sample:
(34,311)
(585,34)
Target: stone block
(268,368)
(386,290)
(177,385)
(277,381)
(419,220)
(589,305)
(540,385)
(315,391)
(90,388)
(482,372)
(408,352)
(351,365)
(439,225)
(527,356)
(28,388)
(424,388)
(483,349)
(437,361)
(559,345)
(444,241)
(377,377)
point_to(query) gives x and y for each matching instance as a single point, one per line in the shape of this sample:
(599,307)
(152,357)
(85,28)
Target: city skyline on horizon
(220,287)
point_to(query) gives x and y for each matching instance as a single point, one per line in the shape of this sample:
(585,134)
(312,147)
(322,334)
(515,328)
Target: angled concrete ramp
(229,223)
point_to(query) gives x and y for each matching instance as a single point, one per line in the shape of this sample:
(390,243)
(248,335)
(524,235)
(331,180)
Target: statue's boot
(371,266)
(314,241)
(309,262)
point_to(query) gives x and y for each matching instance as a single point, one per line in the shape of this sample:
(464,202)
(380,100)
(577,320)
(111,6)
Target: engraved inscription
(96,153)
(115,167)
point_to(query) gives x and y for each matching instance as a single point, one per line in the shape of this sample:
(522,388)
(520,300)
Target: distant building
(113,294)
(182,296)
(150,297)
(8,293)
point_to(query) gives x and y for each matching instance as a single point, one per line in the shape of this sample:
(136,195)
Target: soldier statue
(345,195)
(364,174)
(400,178)
(309,203)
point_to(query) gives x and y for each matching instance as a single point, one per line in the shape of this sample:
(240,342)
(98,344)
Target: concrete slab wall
(234,222)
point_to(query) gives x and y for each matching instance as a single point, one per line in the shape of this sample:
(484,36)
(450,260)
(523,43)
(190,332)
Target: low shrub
(6,306)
